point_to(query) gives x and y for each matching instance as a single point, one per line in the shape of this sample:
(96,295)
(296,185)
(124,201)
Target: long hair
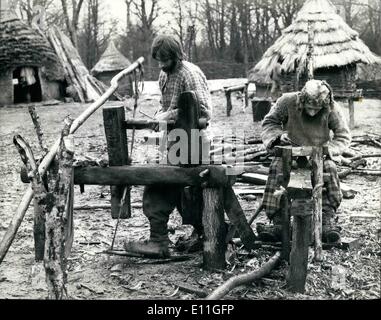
(167,47)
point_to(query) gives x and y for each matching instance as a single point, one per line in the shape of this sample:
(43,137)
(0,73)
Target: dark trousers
(160,200)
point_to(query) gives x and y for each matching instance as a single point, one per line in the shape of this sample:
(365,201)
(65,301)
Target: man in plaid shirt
(176,76)
(309,117)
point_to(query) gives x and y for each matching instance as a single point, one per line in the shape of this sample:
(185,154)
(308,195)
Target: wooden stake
(317,168)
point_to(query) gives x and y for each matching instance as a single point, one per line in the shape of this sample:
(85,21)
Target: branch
(247,278)
(37,127)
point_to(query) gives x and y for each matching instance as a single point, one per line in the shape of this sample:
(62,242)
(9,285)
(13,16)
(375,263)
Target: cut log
(255,178)
(247,278)
(214,229)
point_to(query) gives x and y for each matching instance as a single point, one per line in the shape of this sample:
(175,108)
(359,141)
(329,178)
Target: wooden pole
(214,229)
(116,136)
(317,168)
(42,168)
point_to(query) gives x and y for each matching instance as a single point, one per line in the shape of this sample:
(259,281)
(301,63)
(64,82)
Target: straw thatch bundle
(335,44)
(111,60)
(21,45)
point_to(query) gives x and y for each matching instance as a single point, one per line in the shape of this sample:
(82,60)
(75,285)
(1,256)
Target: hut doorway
(26,85)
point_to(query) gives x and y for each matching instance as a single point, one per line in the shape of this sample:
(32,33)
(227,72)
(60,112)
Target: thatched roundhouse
(110,64)
(334,47)
(22,47)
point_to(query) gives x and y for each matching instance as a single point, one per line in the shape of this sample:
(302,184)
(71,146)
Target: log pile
(251,160)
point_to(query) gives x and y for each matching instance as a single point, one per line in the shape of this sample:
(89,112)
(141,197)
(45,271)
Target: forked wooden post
(214,229)
(116,137)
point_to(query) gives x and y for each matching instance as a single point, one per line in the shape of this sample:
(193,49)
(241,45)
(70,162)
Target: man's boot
(149,248)
(271,233)
(157,245)
(331,231)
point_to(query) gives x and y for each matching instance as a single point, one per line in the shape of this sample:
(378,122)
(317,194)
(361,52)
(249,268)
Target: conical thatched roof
(21,45)
(111,60)
(335,44)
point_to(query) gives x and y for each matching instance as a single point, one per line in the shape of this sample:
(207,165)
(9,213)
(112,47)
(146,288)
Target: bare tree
(145,28)
(72,23)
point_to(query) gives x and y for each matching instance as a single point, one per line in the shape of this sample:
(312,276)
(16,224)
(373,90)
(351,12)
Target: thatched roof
(111,60)
(335,44)
(21,45)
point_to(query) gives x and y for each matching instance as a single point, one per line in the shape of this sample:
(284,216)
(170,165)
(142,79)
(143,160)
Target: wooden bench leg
(116,136)
(214,229)
(301,210)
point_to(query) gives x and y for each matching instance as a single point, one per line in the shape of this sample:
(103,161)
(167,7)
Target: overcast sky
(118,10)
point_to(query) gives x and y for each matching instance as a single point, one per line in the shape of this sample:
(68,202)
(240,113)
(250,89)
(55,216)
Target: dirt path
(93,275)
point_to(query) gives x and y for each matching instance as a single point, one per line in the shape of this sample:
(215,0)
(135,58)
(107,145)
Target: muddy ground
(95,275)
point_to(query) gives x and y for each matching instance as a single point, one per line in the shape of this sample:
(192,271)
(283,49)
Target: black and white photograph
(190,155)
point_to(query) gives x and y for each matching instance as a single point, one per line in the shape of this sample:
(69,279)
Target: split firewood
(367,172)
(363,156)
(85,161)
(354,165)
(245,279)
(192,289)
(255,178)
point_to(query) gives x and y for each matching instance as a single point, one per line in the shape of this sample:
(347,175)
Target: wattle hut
(25,50)
(334,49)
(110,64)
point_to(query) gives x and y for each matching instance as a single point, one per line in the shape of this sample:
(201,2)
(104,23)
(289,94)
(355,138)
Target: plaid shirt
(186,77)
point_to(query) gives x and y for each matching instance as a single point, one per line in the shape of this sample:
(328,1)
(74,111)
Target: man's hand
(167,115)
(164,117)
(284,140)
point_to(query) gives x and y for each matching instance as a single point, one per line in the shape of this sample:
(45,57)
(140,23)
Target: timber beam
(150,175)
